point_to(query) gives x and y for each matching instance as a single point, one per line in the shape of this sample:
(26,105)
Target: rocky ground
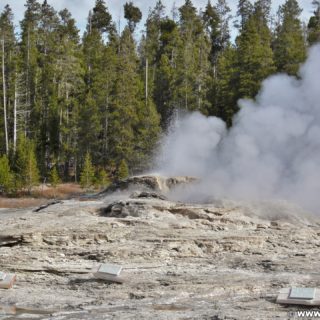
(224,260)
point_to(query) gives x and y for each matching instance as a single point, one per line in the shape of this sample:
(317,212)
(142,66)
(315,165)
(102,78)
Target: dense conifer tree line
(92,108)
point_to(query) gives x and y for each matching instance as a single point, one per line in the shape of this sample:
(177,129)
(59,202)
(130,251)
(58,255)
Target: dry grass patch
(21,202)
(61,191)
(41,194)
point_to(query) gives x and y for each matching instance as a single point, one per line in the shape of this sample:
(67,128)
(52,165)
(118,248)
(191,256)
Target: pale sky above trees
(80,8)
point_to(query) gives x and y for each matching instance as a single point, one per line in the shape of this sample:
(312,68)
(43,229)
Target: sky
(80,8)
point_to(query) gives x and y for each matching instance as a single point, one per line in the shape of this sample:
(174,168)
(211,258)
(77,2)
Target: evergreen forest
(91,107)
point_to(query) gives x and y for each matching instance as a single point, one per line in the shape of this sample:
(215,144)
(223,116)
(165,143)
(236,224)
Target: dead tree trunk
(15,115)
(147,74)
(4,100)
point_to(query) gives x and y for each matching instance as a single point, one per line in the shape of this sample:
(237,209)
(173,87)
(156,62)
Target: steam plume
(272,150)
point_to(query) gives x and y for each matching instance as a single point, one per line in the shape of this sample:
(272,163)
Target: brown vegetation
(61,191)
(20,202)
(40,195)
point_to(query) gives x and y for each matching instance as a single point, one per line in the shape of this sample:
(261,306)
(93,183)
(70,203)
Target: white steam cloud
(271,152)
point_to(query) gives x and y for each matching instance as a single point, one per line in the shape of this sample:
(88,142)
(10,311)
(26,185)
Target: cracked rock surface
(180,260)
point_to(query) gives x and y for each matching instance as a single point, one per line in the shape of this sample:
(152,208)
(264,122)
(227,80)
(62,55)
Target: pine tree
(314,24)
(87,174)
(70,85)
(29,67)
(8,56)
(89,127)
(150,46)
(245,9)
(254,54)
(192,61)
(264,9)
(101,18)
(103,92)
(6,176)
(102,179)
(132,14)
(89,116)
(225,94)
(132,119)
(147,133)
(289,44)
(126,97)
(166,73)
(54,178)
(216,21)
(100,74)
(182,76)
(123,170)
(26,164)
(46,108)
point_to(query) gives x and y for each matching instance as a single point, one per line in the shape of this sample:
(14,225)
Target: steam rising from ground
(271,152)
